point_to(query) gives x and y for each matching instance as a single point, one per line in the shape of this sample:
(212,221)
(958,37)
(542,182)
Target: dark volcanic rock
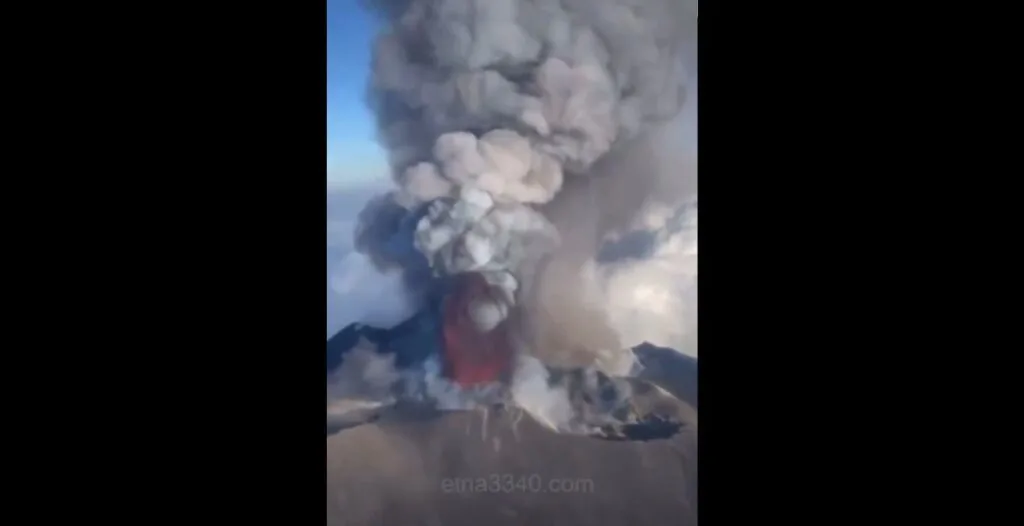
(671,370)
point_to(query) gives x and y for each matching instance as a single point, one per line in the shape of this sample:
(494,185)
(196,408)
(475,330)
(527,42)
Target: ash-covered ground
(454,469)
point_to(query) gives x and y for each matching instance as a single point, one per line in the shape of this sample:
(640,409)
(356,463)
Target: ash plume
(488,108)
(522,135)
(569,310)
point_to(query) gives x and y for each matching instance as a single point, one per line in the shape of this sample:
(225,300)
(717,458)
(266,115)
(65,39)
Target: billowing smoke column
(492,111)
(485,106)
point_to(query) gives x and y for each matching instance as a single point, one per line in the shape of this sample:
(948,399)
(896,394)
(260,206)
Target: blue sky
(353,155)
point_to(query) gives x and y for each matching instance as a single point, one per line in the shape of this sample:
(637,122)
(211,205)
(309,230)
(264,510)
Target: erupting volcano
(498,117)
(522,136)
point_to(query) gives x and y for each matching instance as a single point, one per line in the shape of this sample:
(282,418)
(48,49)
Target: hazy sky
(353,155)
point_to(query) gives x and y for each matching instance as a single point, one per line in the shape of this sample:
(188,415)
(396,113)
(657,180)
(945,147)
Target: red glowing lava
(472,357)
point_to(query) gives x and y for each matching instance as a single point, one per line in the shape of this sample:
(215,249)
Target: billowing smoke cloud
(533,390)
(581,308)
(522,134)
(488,106)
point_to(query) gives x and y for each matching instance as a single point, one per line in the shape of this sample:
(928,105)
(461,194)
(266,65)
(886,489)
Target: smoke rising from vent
(516,132)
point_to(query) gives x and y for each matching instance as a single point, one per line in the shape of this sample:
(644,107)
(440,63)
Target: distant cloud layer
(356,291)
(653,297)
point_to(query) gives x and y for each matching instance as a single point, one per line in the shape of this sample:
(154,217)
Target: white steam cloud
(534,393)
(653,297)
(357,290)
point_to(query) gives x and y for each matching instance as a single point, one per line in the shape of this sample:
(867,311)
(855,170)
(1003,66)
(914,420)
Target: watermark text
(516,483)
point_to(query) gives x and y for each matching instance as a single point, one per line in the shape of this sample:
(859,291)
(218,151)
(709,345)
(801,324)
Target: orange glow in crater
(472,357)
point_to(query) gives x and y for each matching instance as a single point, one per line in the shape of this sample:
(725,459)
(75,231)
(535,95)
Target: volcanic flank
(411,466)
